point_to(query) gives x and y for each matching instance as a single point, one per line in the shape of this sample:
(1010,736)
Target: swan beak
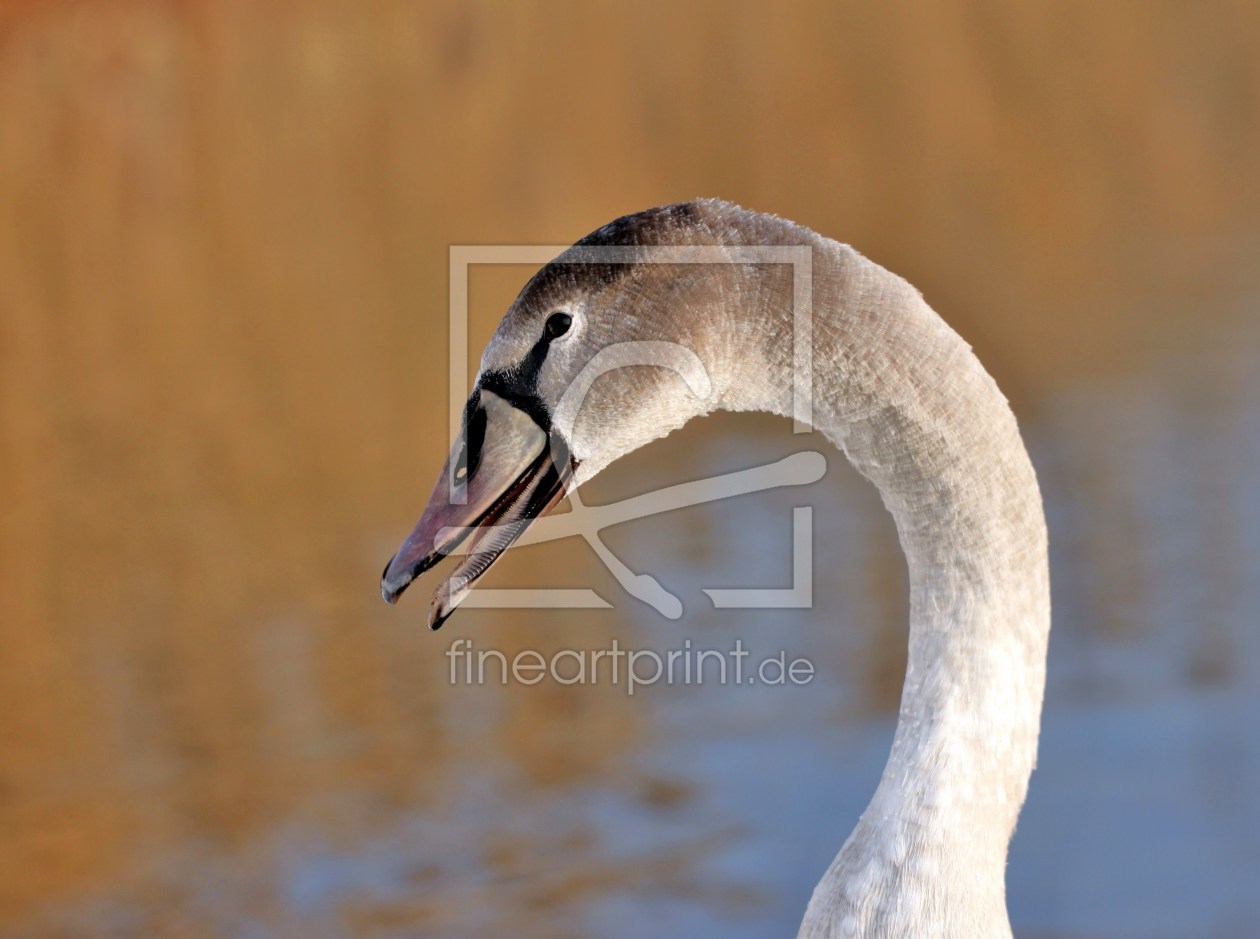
(504,471)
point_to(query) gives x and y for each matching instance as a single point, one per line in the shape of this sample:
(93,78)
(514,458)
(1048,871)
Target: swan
(906,400)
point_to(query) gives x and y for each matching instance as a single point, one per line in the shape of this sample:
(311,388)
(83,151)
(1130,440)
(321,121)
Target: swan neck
(914,411)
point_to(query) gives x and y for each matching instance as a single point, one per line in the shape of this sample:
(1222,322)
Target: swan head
(608,347)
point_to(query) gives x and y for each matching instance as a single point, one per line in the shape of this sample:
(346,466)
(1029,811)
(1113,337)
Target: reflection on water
(223,249)
(707,812)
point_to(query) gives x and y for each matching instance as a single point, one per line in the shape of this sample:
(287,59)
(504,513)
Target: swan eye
(558,324)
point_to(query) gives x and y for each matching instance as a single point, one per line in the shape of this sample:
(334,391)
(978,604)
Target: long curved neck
(902,394)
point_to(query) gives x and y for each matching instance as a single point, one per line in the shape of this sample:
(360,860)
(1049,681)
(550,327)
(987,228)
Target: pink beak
(503,472)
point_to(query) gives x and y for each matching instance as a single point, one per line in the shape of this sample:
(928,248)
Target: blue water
(1144,814)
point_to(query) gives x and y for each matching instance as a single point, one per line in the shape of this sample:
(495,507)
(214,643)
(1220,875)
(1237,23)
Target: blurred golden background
(223,328)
